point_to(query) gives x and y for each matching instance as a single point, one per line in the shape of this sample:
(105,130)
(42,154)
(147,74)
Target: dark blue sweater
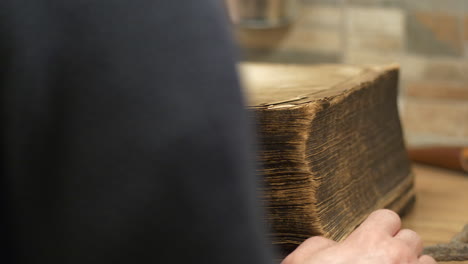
(124,138)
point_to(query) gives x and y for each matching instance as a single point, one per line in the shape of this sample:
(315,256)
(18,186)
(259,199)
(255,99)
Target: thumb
(307,249)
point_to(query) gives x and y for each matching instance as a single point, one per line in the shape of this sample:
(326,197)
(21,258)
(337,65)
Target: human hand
(378,240)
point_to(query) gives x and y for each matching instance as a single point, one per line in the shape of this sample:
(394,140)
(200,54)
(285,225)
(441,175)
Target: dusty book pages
(330,146)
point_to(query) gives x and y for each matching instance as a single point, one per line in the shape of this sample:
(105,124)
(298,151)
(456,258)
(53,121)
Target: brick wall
(429,38)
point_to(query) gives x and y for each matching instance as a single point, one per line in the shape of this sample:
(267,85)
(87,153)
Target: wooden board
(441,208)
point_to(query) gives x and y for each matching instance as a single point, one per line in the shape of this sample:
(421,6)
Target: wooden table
(441,208)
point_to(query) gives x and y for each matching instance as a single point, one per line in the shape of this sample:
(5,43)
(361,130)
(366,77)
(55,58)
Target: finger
(426,259)
(385,220)
(314,244)
(308,248)
(412,239)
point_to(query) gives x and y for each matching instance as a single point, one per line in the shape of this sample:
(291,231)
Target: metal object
(262,13)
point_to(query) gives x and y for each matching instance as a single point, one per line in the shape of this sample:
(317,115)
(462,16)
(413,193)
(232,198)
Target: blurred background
(428,38)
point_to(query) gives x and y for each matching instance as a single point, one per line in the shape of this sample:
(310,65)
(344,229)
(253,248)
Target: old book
(330,146)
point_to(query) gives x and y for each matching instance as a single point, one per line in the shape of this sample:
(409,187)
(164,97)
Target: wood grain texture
(331,147)
(441,209)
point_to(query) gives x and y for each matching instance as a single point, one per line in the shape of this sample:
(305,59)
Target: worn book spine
(328,163)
